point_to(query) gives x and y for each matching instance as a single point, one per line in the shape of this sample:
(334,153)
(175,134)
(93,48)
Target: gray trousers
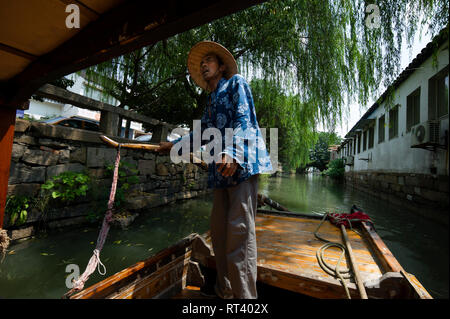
(234,240)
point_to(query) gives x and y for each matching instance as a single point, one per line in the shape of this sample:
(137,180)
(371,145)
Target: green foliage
(319,154)
(314,58)
(67,186)
(17,208)
(294,120)
(336,169)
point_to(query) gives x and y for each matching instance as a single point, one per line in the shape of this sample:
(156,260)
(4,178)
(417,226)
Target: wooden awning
(36,46)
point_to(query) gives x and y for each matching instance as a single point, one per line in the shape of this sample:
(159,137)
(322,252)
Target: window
(364,140)
(381,129)
(393,122)
(371,136)
(359,142)
(412,109)
(438,95)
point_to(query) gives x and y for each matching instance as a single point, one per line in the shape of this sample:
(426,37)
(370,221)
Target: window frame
(382,130)
(392,111)
(413,109)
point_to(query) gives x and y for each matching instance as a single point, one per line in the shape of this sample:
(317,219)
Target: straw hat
(196,55)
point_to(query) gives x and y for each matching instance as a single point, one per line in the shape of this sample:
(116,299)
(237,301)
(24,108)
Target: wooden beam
(67,97)
(15,51)
(7,123)
(129,26)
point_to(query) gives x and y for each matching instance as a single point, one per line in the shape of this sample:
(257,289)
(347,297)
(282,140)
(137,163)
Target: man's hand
(228,166)
(164,147)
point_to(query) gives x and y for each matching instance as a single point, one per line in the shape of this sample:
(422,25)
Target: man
(234,176)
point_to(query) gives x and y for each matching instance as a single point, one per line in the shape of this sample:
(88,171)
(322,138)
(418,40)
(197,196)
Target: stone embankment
(41,151)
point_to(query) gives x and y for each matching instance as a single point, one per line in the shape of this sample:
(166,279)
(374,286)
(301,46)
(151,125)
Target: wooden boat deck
(288,245)
(286,260)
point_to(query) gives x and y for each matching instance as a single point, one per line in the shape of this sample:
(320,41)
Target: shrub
(336,168)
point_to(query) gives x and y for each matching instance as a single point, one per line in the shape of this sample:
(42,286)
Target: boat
(287,264)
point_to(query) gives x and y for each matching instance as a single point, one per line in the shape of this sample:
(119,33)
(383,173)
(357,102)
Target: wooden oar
(359,283)
(149,147)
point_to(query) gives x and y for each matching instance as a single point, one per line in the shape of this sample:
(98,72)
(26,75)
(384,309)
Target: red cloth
(343,219)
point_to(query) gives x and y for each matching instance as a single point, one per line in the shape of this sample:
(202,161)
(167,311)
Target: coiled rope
(334,271)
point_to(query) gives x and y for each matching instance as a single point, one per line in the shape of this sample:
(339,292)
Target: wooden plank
(7,123)
(111,284)
(309,285)
(156,283)
(416,286)
(297,261)
(64,96)
(385,256)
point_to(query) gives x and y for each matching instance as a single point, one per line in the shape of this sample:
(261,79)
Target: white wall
(396,155)
(43,109)
(39,109)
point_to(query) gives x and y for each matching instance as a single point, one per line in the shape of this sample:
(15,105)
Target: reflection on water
(37,267)
(419,244)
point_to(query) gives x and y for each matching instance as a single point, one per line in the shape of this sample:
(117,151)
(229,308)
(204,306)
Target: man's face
(209,66)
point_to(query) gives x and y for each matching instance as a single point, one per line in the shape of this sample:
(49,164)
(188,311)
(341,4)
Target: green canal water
(37,267)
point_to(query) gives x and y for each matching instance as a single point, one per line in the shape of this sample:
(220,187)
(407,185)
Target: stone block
(21,233)
(149,156)
(20,173)
(22,125)
(162,159)
(25,139)
(40,157)
(78,155)
(412,180)
(162,170)
(99,157)
(24,189)
(129,163)
(58,169)
(52,143)
(392,179)
(427,182)
(64,156)
(17,152)
(146,167)
(97,172)
(172,169)
(149,186)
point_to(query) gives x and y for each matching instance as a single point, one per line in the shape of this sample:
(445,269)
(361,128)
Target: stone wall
(423,193)
(41,151)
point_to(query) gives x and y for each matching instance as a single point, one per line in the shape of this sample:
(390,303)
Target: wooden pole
(7,122)
(359,283)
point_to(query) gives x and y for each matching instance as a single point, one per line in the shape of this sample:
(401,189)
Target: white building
(49,109)
(406,138)
(388,139)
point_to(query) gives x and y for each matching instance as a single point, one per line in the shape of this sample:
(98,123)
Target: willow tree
(321,53)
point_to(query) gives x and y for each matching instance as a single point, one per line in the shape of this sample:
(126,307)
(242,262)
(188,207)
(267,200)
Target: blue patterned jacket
(231,106)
